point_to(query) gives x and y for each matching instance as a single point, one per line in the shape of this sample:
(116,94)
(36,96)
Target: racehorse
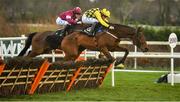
(105,41)
(44,42)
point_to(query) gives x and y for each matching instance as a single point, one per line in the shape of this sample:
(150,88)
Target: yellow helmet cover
(106,12)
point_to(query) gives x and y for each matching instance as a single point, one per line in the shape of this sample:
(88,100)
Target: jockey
(97,17)
(69,18)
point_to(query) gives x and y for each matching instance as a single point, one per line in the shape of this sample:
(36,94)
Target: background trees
(14,13)
(153,12)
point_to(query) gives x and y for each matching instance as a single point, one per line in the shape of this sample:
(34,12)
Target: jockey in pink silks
(69,18)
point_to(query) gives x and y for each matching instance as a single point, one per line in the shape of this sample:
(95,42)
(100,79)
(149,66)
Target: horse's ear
(139,29)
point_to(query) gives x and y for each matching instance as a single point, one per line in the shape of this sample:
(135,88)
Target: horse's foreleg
(118,48)
(101,55)
(105,51)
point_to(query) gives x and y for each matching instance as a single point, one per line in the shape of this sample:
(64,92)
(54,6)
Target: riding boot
(93,29)
(96,29)
(66,29)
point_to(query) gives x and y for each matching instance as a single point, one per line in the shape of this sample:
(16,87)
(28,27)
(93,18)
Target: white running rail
(11,46)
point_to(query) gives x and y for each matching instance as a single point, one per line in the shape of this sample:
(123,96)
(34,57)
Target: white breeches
(59,21)
(88,20)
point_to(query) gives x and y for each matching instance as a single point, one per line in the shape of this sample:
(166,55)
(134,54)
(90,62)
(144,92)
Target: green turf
(129,86)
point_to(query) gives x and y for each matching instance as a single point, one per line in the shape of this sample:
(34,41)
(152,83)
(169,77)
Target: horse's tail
(27,44)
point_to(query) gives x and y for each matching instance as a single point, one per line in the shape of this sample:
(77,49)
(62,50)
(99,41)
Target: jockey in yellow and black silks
(97,17)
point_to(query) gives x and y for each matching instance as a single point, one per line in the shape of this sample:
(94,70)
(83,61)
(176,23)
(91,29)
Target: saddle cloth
(88,29)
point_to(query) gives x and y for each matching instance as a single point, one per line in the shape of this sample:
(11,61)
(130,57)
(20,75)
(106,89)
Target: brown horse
(106,41)
(41,45)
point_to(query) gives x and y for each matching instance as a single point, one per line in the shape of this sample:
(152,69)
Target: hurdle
(2,68)
(29,76)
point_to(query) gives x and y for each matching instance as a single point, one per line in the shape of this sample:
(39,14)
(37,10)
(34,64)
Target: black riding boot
(94,29)
(66,29)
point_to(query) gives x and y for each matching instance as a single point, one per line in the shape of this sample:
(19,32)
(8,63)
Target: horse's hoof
(121,66)
(111,60)
(101,56)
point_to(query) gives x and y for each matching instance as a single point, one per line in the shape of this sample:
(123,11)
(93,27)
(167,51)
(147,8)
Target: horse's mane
(124,28)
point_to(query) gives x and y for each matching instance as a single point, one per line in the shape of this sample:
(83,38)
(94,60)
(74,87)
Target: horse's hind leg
(71,54)
(70,57)
(70,49)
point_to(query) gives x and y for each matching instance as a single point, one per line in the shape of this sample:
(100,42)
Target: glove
(111,27)
(79,22)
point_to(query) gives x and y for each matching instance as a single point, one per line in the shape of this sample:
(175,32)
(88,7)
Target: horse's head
(139,40)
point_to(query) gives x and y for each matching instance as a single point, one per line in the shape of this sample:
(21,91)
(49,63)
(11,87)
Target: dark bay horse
(105,41)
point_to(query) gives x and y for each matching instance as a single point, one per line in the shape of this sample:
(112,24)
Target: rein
(112,35)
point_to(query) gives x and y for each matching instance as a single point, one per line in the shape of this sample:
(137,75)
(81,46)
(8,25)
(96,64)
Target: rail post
(172,43)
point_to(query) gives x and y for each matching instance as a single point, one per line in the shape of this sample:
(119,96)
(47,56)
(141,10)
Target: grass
(152,68)
(128,86)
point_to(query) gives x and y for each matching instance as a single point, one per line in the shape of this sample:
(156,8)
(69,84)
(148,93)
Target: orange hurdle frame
(106,72)
(2,68)
(39,76)
(75,74)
